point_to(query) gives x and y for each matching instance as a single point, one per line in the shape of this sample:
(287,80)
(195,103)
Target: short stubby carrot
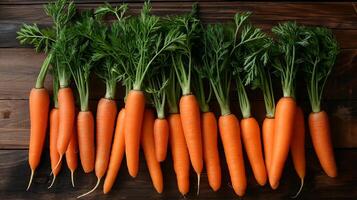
(134,112)
(66,109)
(54,155)
(283,131)
(148,145)
(190,118)
(117,153)
(72,154)
(85,131)
(253,146)
(161,136)
(230,134)
(268,140)
(39,102)
(106,115)
(321,139)
(210,149)
(179,151)
(297,147)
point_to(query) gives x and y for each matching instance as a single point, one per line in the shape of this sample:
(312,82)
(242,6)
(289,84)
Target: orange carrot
(268,140)
(252,142)
(134,112)
(72,154)
(85,131)
(190,118)
(321,139)
(39,106)
(66,110)
(180,154)
(148,145)
(54,155)
(117,153)
(230,135)
(210,149)
(161,137)
(106,115)
(283,130)
(297,147)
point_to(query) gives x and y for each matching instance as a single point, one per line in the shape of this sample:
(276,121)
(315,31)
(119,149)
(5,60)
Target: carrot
(72,154)
(209,134)
(134,112)
(210,149)
(297,147)
(105,121)
(268,140)
(39,105)
(179,151)
(85,131)
(148,145)
(217,70)
(117,153)
(54,155)
(291,42)
(283,130)
(161,137)
(321,140)
(319,63)
(251,135)
(230,135)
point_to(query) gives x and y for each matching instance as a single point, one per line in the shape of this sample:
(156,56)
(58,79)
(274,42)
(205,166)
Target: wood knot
(6,114)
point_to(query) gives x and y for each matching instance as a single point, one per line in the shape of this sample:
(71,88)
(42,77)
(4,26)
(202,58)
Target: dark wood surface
(19,67)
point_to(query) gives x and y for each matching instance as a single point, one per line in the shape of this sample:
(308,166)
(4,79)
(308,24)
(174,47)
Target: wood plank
(14,171)
(21,65)
(14,121)
(338,16)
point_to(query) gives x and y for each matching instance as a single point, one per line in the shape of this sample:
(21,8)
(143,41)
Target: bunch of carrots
(174,66)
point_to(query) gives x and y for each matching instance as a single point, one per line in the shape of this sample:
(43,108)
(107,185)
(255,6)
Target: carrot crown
(199,90)
(156,87)
(291,41)
(319,60)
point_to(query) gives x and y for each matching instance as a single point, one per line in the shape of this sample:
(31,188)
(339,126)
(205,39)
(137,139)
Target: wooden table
(19,66)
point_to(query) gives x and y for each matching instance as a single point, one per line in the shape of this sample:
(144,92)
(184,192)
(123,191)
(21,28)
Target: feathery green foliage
(319,59)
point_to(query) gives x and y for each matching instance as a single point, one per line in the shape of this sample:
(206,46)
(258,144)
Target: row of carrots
(175,66)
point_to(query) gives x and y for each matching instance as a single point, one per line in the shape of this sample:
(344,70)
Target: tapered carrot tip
(132,173)
(30,181)
(274,185)
(262,181)
(332,174)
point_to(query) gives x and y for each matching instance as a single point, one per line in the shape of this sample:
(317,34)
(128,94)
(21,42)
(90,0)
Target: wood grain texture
(21,65)
(14,171)
(14,121)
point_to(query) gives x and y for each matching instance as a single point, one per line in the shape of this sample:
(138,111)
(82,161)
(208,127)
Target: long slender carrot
(230,135)
(283,130)
(117,153)
(190,118)
(39,106)
(54,155)
(179,152)
(321,139)
(85,131)
(268,140)
(161,135)
(210,149)
(148,145)
(297,147)
(252,142)
(66,110)
(134,112)
(72,154)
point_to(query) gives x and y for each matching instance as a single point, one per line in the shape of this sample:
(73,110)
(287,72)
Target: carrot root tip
(72,178)
(300,189)
(92,190)
(58,163)
(53,181)
(198,183)
(30,181)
